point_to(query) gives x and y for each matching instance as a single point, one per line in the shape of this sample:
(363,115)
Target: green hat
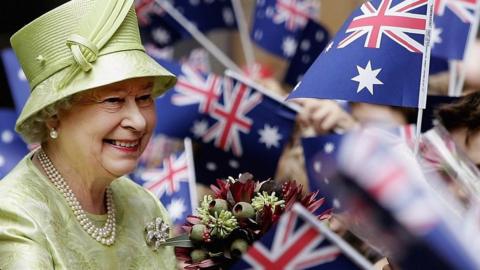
(81,45)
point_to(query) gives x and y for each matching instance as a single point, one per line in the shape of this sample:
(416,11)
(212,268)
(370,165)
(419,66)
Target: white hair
(34,129)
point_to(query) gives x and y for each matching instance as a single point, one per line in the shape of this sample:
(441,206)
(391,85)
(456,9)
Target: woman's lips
(124,145)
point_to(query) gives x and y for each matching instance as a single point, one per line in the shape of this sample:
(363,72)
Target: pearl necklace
(104,235)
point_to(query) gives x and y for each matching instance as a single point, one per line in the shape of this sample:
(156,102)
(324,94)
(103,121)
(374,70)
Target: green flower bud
(217,205)
(197,232)
(243,210)
(198,255)
(238,247)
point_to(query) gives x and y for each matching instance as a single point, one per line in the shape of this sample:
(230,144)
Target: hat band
(84,60)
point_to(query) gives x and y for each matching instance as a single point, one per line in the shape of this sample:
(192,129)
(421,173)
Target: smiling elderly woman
(67,204)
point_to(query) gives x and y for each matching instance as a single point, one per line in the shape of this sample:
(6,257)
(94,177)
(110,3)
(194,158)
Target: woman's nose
(133,117)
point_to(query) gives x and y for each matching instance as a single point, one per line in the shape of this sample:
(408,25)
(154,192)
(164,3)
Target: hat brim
(107,69)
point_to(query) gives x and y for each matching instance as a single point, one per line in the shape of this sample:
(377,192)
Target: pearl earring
(53,133)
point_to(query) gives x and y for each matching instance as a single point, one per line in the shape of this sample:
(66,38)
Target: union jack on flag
(393,20)
(196,88)
(378,56)
(294,244)
(173,182)
(237,120)
(231,116)
(278,24)
(295,13)
(167,179)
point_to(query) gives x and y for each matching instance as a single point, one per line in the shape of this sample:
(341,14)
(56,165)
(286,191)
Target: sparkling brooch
(156,233)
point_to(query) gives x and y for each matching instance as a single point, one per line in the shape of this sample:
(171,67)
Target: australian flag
(156,25)
(378,56)
(395,182)
(278,24)
(17,81)
(173,182)
(12,148)
(321,165)
(313,40)
(294,243)
(193,95)
(244,125)
(453,22)
(248,128)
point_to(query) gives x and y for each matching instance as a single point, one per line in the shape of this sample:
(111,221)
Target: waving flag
(279,23)
(245,132)
(395,181)
(314,39)
(12,148)
(157,26)
(16,79)
(246,127)
(453,21)
(321,165)
(192,96)
(294,243)
(380,55)
(173,182)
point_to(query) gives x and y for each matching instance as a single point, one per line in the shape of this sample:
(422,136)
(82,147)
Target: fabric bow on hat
(85,50)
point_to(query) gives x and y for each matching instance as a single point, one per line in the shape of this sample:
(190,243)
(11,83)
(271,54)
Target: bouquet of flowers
(239,213)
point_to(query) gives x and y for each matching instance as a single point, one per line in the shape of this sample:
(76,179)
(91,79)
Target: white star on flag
(211,166)
(194,2)
(367,77)
(176,208)
(7,136)
(228,17)
(317,166)
(161,36)
(328,147)
(305,45)
(289,46)
(269,136)
(258,35)
(436,36)
(199,128)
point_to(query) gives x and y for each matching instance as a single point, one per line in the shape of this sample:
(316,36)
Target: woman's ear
(52,122)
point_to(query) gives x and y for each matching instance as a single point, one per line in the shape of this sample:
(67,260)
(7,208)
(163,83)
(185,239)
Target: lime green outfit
(38,230)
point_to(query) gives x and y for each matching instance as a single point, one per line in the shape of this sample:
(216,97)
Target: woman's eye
(112,100)
(145,99)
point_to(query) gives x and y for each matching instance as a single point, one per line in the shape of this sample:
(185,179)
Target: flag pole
(423,91)
(192,181)
(346,248)
(244,37)
(245,80)
(418,130)
(452,80)
(199,36)
(471,39)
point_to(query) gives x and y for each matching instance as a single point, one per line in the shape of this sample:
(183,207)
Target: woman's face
(472,147)
(107,128)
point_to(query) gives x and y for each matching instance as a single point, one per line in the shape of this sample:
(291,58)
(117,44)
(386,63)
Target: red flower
(222,189)
(243,192)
